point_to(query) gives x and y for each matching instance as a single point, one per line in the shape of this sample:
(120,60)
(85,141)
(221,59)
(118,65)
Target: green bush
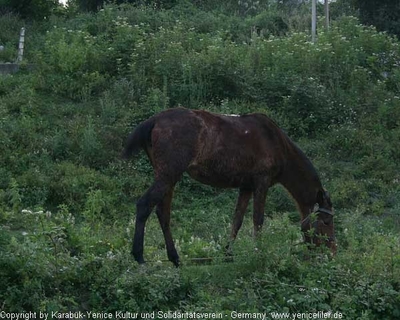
(72,64)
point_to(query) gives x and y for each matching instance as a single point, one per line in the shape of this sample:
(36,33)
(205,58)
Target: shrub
(72,64)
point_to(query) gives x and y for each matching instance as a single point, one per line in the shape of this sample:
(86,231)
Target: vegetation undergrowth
(67,200)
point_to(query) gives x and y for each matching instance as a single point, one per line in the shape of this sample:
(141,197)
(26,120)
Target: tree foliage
(95,5)
(384,14)
(29,9)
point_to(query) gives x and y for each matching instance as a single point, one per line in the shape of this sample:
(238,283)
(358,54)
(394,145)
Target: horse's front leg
(260,194)
(241,206)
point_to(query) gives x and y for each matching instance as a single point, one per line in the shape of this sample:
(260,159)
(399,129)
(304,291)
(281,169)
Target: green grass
(67,265)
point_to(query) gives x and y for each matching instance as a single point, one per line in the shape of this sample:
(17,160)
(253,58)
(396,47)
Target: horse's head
(318,226)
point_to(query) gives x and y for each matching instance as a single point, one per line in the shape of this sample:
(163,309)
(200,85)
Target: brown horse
(249,152)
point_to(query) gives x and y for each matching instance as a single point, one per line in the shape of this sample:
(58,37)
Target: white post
(313,20)
(326,15)
(21,45)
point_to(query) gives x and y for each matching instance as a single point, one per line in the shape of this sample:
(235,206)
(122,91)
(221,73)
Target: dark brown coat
(248,152)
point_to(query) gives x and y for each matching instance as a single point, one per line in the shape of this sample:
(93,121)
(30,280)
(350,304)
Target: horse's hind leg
(241,206)
(163,211)
(154,195)
(173,147)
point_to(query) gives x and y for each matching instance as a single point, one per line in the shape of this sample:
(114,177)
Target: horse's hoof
(176,263)
(138,259)
(228,255)
(228,258)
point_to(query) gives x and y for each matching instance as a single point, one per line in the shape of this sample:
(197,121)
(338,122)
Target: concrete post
(21,45)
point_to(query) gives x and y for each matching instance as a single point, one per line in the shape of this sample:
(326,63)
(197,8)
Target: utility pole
(326,15)
(314,20)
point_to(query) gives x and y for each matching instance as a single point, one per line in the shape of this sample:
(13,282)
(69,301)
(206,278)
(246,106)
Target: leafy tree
(94,5)
(29,9)
(384,14)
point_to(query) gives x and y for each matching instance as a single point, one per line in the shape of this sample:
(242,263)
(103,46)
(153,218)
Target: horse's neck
(301,180)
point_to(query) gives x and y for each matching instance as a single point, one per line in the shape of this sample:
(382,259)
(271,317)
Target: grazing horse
(249,152)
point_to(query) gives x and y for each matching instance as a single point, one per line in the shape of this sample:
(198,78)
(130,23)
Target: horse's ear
(321,196)
(328,197)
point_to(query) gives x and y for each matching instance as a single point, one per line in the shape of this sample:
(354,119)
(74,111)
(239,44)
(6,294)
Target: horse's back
(251,134)
(220,150)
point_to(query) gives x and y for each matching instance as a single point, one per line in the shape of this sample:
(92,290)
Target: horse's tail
(139,138)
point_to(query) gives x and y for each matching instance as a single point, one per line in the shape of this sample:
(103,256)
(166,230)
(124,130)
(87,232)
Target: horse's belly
(217,176)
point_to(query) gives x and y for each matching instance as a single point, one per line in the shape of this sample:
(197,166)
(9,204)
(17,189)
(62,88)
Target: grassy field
(67,201)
